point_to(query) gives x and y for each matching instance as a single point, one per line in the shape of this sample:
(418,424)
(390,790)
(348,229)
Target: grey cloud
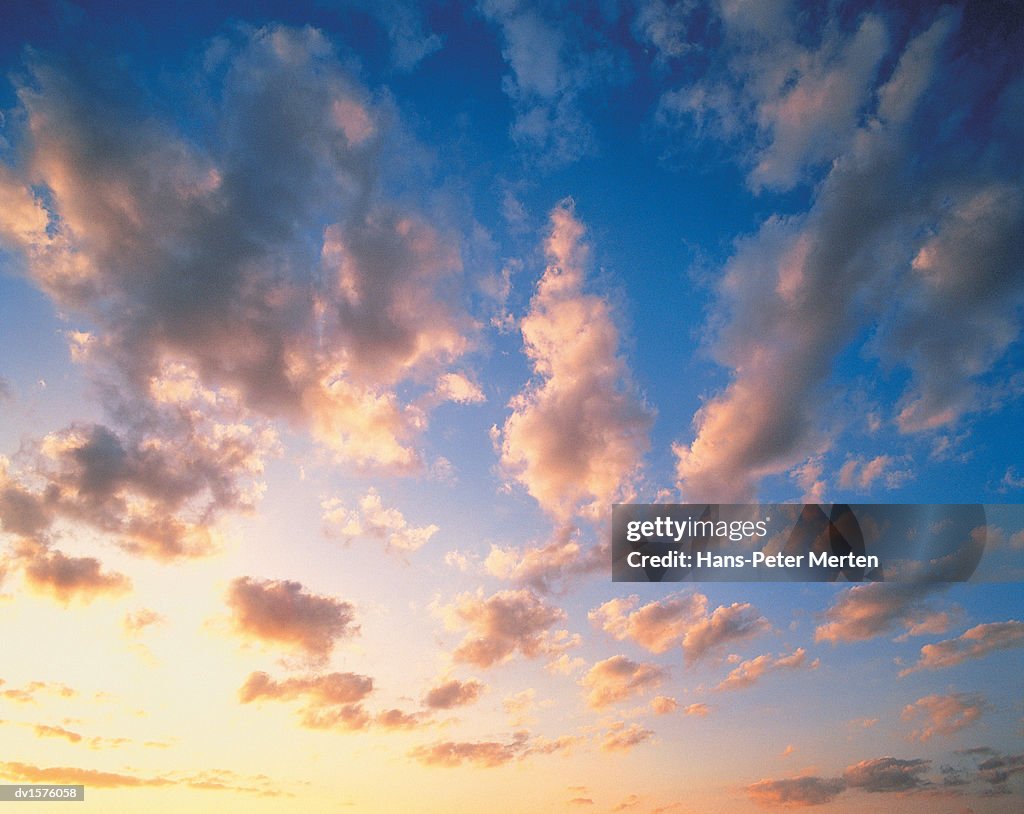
(268,262)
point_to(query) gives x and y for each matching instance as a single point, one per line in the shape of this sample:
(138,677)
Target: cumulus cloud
(372,519)
(866,611)
(679,620)
(618,678)
(887,774)
(503,624)
(453,693)
(282,612)
(943,714)
(796,791)
(267,263)
(749,672)
(331,701)
(975,643)
(622,738)
(663,705)
(551,565)
(68,579)
(158,487)
(935,273)
(576,434)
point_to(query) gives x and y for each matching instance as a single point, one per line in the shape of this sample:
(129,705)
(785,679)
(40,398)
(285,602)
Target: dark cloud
(887,774)
(282,612)
(266,262)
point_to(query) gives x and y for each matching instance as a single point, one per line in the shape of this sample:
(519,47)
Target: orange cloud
(453,693)
(943,714)
(679,620)
(333,701)
(975,643)
(866,611)
(68,578)
(751,671)
(282,612)
(552,564)
(44,731)
(622,738)
(617,678)
(503,624)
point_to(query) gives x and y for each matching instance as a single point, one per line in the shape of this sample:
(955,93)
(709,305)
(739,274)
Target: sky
(332,331)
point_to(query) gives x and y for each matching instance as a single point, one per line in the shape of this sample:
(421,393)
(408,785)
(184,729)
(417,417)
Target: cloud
(664,705)
(857,472)
(865,257)
(866,611)
(453,693)
(373,519)
(554,62)
(282,612)
(749,672)
(135,622)
(408,36)
(887,774)
(398,719)
(267,263)
(332,701)
(501,625)
(211,779)
(679,620)
(664,25)
(943,714)
(91,778)
(44,731)
(618,678)
(975,643)
(158,487)
(553,564)
(488,754)
(27,694)
(576,434)
(622,738)
(484,754)
(68,579)
(796,791)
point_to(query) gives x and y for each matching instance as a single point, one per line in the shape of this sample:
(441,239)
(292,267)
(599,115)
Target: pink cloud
(282,612)
(576,435)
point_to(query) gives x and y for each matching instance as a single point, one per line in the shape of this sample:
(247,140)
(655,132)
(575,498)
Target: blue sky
(350,321)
